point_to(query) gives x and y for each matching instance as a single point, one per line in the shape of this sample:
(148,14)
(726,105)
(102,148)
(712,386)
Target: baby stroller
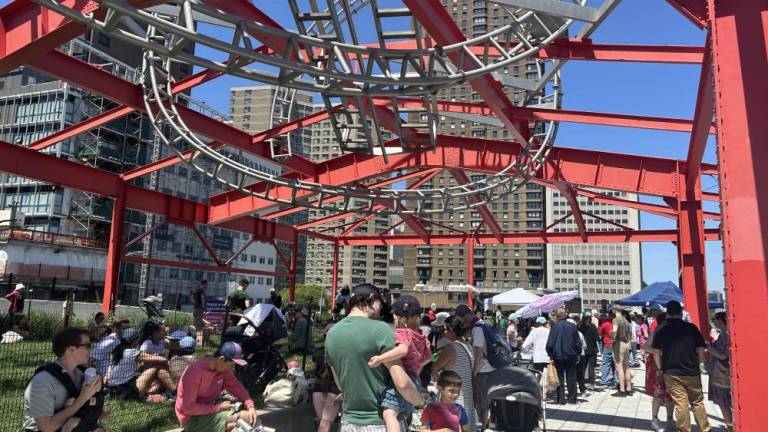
(259,328)
(153,307)
(515,401)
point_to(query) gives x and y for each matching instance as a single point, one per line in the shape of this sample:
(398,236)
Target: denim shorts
(393,400)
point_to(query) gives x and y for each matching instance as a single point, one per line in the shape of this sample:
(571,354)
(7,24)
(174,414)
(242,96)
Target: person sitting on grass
(101,354)
(123,376)
(184,357)
(202,384)
(445,415)
(98,327)
(155,345)
(57,397)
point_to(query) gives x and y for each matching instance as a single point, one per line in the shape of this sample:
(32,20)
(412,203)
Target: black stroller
(257,330)
(515,401)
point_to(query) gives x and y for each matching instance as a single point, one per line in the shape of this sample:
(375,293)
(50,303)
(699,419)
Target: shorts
(392,399)
(349,427)
(126,390)
(326,407)
(197,315)
(621,352)
(481,391)
(207,423)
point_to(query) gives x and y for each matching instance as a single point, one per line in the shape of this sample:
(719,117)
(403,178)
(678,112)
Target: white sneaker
(657,425)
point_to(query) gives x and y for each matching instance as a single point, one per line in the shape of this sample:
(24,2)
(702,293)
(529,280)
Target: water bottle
(90,375)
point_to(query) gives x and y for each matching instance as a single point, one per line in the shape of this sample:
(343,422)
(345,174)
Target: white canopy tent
(514,297)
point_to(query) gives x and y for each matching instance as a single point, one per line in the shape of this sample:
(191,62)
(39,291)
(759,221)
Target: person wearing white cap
(536,343)
(16,297)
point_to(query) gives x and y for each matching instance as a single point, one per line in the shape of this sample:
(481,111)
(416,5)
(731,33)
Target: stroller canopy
(513,380)
(260,313)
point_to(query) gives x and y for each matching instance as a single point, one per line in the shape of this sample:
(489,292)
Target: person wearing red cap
(202,384)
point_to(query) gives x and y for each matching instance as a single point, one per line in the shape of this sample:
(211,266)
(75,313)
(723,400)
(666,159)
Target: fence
(20,359)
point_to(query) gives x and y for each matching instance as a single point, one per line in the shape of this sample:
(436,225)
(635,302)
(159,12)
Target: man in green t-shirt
(349,345)
(238,300)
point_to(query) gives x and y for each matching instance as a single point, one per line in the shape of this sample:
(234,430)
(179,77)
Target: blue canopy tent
(658,292)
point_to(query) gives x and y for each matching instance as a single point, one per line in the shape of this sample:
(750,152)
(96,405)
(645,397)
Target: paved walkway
(602,412)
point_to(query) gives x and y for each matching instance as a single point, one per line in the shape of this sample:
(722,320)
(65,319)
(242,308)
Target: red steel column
(690,253)
(470,269)
(115,251)
(334,275)
(740,47)
(293,268)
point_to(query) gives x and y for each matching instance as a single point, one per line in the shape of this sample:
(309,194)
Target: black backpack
(90,412)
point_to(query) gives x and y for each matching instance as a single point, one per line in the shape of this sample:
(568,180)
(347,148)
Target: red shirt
(605,333)
(431,315)
(200,387)
(438,415)
(418,348)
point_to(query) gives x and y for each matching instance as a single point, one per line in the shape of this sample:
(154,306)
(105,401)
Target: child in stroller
(515,401)
(258,328)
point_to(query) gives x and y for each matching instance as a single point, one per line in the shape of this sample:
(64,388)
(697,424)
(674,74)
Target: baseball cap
(187,343)
(178,334)
(406,306)
(541,320)
(232,351)
(130,334)
(440,318)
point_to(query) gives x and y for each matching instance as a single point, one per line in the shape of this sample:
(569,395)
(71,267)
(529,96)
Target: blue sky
(631,88)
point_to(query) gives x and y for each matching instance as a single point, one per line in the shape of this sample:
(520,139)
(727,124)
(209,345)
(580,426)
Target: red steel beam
(50,169)
(28,30)
(83,126)
(570,116)
(139,237)
(91,78)
(115,250)
(739,45)
(573,202)
(646,175)
(694,10)
(585,49)
(485,214)
(691,257)
(438,23)
(197,266)
(669,235)
(702,118)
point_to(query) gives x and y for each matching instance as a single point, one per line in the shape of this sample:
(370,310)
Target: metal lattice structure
(389,83)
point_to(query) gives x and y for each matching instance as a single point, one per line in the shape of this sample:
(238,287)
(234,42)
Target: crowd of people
(379,358)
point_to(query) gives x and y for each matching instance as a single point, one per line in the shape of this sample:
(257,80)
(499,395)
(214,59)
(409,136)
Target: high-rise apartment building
(608,271)
(440,273)
(357,264)
(258,108)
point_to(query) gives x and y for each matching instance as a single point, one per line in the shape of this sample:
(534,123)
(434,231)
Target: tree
(308,296)
(643,284)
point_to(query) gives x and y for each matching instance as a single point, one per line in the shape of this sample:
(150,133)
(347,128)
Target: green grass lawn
(18,361)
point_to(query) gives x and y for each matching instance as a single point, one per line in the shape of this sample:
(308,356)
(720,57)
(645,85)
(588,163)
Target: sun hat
(541,320)
(440,319)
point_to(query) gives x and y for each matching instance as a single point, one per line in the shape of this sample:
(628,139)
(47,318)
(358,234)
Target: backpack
(90,412)
(497,349)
